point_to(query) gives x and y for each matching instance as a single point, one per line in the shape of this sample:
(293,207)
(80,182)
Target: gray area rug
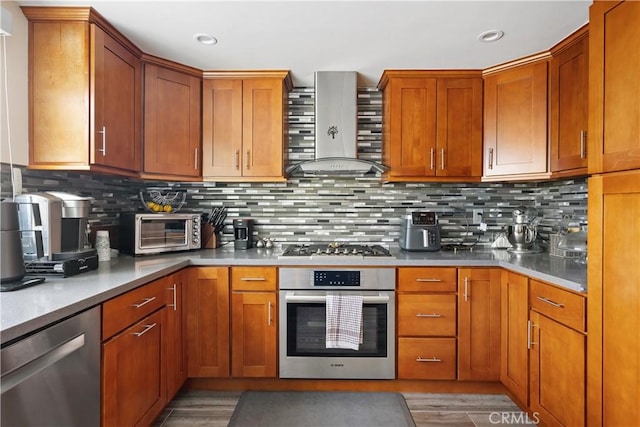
(317,409)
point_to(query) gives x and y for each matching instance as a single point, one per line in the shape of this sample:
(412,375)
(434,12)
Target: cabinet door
(133,376)
(614,87)
(58,64)
(515,121)
(557,373)
(221,127)
(253,334)
(176,333)
(262,128)
(171,122)
(613,303)
(514,335)
(116,137)
(207,294)
(479,324)
(459,128)
(410,131)
(568,106)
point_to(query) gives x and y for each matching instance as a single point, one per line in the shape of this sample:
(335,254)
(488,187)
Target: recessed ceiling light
(205,38)
(490,36)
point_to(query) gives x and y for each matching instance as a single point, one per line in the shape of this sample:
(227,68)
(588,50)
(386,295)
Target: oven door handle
(366,299)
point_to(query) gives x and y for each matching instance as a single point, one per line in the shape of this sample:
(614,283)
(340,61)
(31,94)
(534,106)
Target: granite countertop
(29,309)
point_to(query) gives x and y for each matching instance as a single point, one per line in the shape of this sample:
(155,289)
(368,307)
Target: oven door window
(306,331)
(156,233)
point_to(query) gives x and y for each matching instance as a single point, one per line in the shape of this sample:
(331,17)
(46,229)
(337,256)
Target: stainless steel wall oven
(303,349)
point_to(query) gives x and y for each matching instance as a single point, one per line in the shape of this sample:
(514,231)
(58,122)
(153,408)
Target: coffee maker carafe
(243,233)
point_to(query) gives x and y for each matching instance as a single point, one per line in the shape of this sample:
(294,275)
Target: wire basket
(162,200)
(554,250)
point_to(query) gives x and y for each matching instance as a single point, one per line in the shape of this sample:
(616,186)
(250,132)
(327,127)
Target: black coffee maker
(243,233)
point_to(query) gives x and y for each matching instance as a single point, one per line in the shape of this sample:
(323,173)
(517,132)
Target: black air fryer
(243,233)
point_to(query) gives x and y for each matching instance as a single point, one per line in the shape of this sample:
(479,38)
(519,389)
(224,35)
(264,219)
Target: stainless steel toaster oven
(153,233)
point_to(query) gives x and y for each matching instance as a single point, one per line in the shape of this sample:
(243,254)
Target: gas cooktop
(336,250)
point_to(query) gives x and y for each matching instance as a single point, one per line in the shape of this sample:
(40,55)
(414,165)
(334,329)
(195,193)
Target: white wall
(17,86)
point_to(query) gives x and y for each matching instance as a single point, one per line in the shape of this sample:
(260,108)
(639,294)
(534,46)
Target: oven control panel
(336,278)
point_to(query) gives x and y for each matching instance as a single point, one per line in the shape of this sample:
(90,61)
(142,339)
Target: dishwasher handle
(25,371)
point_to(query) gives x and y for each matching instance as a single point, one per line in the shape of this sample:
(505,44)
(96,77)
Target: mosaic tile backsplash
(324,209)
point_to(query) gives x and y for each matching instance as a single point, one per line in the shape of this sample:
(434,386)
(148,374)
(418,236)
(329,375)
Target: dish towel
(344,321)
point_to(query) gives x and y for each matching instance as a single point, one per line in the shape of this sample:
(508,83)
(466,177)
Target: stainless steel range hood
(336,128)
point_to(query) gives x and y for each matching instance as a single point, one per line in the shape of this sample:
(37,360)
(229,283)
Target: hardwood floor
(196,408)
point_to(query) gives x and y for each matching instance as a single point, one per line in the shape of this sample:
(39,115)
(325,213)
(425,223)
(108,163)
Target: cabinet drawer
(427,279)
(426,315)
(565,307)
(427,358)
(253,279)
(124,310)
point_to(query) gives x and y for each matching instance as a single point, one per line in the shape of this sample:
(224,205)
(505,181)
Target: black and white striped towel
(344,321)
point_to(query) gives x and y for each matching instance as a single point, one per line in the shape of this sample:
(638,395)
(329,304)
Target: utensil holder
(210,238)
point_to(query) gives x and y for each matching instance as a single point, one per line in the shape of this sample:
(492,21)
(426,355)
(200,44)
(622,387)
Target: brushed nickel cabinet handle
(432,157)
(490,158)
(144,302)
(248,158)
(466,288)
(530,342)
(237,159)
(146,329)
(269,313)
(103,150)
(428,359)
(442,159)
(428,315)
(428,279)
(175,297)
(583,144)
(550,302)
(253,279)
(195,159)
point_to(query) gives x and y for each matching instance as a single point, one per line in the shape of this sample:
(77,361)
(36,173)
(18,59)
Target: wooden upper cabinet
(85,93)
(245,126)
(614,86)
(568,105)
(172,118)
(432,125)
(515,120)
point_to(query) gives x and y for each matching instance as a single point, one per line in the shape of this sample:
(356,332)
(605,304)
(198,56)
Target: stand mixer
(523,232)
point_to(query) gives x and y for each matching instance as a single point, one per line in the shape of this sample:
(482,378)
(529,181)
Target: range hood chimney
(336,128)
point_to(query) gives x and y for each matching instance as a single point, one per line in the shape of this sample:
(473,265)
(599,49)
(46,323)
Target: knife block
(210,238)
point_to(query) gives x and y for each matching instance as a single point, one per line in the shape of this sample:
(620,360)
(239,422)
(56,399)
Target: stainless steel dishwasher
(52,377)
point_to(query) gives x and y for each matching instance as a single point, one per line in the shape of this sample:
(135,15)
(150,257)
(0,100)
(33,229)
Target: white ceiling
(364,36)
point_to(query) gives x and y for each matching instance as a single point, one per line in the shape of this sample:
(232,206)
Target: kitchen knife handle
(432,154)
(103,150)
(490,158)
(237,159)
(433,315)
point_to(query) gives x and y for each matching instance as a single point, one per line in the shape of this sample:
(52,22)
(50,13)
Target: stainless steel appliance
(302,331)
(243,233)
(523,232)
(335,249)
(420,231)
(10,242)
(52,378)
(154,233)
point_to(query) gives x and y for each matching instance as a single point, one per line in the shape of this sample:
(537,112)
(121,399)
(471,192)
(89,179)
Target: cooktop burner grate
(336,249)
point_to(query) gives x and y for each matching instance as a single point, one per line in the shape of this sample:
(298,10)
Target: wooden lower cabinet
(176,333)
(254,330)
(427,358)
(514,362)
(557,373)
(207,302)
(479,324)
(133,374)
